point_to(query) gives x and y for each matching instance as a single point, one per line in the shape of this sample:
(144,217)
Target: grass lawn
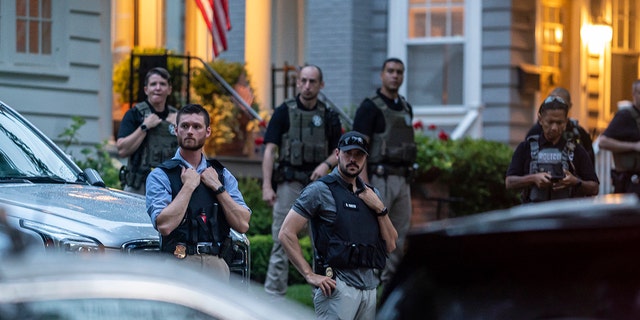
(300,293)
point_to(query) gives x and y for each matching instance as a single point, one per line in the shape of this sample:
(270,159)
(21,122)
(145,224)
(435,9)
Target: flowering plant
(434,153)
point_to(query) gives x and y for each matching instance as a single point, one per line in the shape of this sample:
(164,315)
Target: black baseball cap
(353,140)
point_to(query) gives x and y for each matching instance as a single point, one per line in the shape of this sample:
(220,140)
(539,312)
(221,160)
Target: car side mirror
(93,177)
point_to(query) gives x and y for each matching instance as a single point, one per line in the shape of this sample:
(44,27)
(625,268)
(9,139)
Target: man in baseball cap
(353,140)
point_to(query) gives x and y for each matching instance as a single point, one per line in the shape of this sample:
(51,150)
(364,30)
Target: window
(435,52)
(33,26)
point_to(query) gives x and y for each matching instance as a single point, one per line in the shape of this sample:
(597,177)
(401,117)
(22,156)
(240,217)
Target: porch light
(596,36)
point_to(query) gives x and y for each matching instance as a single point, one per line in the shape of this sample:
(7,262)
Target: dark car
(62,208)
(567,259)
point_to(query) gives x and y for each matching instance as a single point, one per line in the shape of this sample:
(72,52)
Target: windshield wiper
(33,179)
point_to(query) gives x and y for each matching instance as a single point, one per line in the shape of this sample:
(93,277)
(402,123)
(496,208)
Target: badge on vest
(172,129)
(350,206)
(316,120)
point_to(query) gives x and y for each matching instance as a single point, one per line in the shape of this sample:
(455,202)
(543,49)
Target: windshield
(24,155)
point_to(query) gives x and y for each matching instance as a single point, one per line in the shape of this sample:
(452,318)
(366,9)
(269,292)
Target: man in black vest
(622,138)
(547,166)
(192,201)
(351,231)
(386,118)
(303,132)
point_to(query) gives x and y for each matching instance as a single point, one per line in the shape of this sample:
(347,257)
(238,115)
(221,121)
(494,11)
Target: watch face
(144,127)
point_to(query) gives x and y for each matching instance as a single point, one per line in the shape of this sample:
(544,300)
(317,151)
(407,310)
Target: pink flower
(432,127)
(262,124)
(259,141)
(418,125)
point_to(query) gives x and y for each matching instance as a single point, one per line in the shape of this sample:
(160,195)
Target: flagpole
(230,89)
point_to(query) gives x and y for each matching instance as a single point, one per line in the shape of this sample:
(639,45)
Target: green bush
(97,157)
(261,251)
(261,216)
(476,173)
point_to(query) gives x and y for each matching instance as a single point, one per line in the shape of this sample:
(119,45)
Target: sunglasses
(551,99)
(351,141)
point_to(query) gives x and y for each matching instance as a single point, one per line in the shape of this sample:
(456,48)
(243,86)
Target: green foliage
(97,158)
(261,216)
(261,245)
(122,71)
(434,154)
(206,87)
(476,174)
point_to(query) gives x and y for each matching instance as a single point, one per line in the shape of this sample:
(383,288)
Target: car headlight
(63,240)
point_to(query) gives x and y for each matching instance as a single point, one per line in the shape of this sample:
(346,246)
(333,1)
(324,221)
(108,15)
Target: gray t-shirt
(316,202)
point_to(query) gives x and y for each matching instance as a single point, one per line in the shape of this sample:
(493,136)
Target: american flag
(216,15)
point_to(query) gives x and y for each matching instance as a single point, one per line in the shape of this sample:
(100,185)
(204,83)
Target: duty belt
(204,248)
(389,170)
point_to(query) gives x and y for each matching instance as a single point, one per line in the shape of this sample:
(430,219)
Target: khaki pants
(206,263)
(396,195)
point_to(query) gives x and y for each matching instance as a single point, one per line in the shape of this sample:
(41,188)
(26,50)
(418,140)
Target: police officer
(386,119)
(622,138)
(146,135)
(351,233)
(193,202)
(303,132)
(573,131)
(549,167)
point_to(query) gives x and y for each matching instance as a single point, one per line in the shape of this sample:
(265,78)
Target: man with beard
(548,166)
(303,132)
(193,202)
(351,231)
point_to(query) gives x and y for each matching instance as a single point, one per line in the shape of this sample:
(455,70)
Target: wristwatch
(219,190)
(144,127)
(383,213)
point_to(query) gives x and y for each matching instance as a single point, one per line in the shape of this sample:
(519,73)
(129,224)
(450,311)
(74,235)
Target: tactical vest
(204,220)
(552,161)
(396,145)
(353,240)
(628,161)
(305,144)
(158,146)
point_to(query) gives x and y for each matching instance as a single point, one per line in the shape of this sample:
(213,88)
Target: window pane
(46,38)
(46,9)
(435,76)
(457,22)
(417,24)
(33,37)
(21,37)
(34,8)
(438,23)
(21,8)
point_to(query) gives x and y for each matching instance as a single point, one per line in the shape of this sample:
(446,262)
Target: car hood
(106,213)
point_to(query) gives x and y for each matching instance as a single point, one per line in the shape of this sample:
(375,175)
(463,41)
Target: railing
(604,163)
(343,115)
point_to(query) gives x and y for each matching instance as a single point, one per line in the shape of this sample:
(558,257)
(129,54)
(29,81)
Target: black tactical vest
(305,144)
(158,146)
(552,161)
(396,144)
(353,240)
(213,228)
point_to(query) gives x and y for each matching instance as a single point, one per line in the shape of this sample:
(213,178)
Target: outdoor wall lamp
(596,36)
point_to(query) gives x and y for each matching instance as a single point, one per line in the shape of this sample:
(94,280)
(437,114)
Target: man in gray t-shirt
(351,231)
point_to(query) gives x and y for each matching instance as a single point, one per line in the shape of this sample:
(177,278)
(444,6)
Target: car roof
(38,277)
(558,259)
